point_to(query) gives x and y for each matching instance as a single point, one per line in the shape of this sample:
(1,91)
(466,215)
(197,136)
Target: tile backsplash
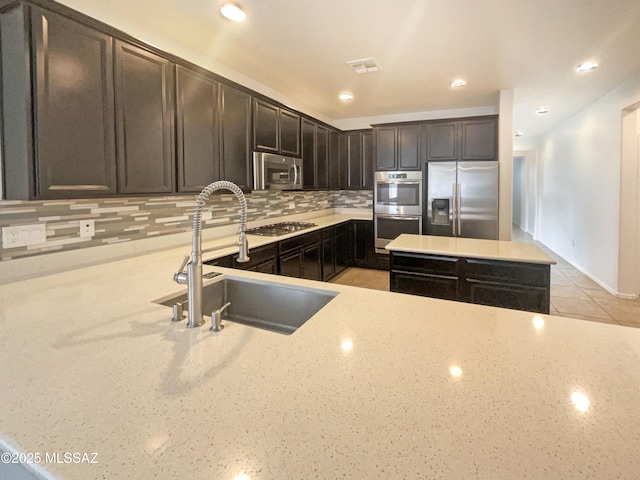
(134,218)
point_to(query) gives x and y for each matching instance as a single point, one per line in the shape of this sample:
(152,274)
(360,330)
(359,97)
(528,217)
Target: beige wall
(629,254)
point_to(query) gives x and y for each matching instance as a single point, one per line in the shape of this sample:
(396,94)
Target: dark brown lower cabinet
(515,285)
(328,258)
(318,255)
(305,263)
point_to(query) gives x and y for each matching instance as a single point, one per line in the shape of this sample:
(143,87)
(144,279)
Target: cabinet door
(291,265)
(334,160)
(289,133)
(270,266)
(312,262)
(266,131)
(442,141)
(308,154)
(363,242)
(344,248)
(409,147)
(367,161)
(385,148)
(144,107)
(355,160)
(322,157)
(74,111)
(479,139)
(236,135)
(343,155)
(198,130)
(328,258)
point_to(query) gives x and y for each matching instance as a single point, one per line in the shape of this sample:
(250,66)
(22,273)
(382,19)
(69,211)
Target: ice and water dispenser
(440,211)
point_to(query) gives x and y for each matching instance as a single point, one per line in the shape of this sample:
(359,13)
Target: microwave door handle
(295,174)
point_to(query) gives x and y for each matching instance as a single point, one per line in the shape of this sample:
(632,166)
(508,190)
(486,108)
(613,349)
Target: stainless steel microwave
(276,172)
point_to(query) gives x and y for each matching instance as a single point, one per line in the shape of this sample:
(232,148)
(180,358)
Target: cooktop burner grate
(282,228)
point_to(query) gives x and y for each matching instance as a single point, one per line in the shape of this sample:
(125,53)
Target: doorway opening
(525,192)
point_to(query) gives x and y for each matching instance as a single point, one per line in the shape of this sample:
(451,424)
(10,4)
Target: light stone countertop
(471,248)
(367,388)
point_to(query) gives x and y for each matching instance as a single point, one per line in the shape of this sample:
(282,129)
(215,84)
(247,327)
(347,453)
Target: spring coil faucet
(193,276)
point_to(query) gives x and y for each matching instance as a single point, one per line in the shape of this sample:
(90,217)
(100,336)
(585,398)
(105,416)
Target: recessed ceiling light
(586,66)
(346,97)
(542,110)
(232,12)
(458,83)
(518,133)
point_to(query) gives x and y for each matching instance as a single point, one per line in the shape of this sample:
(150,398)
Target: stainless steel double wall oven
(397,206)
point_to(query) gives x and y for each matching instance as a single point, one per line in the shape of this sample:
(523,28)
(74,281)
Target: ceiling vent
(365,65)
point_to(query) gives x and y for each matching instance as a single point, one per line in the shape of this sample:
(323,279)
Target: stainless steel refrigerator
(461,199)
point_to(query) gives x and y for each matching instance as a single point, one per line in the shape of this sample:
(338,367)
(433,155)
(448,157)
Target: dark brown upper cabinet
(58,132)
(367,161)
(467,139)
(315,155)
(275,129)
(334,160)
(322,157)
(289,133)
(308,154)
(197,130)
(479,139)
(442,141)
(355,160)
(397,147)
(236,137)
(145,110)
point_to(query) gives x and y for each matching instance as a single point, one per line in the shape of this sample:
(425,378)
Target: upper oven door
(399,197)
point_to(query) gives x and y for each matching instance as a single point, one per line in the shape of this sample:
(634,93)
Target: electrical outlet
(206,215)
(87,228)
(23,235)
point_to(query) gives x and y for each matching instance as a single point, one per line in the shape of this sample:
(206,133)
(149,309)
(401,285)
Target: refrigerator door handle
(459,203)
(454,208)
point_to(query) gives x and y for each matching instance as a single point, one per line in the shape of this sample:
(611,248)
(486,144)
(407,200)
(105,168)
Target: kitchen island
(375,385)
(486,272)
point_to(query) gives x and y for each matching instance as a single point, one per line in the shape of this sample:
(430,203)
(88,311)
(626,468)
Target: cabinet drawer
(300,241)
(531,299)
(435,286)
(508,272)
(425,264)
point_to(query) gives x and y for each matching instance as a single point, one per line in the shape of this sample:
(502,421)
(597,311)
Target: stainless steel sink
(269,305)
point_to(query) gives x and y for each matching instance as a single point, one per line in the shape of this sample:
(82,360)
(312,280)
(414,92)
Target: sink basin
(272,306)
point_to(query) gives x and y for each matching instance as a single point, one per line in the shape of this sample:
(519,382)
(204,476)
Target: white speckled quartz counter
(365,389)
(471,248)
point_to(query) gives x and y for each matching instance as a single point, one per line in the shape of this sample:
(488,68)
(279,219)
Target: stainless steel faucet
(193,275)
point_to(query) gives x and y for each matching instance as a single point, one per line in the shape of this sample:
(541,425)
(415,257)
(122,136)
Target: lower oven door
(389,227)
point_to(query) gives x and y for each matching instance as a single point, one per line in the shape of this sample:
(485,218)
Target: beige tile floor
(573,294)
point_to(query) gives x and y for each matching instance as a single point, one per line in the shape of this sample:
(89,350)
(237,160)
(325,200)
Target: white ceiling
(299,48)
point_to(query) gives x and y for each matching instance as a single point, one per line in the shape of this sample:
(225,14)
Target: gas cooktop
(282,228)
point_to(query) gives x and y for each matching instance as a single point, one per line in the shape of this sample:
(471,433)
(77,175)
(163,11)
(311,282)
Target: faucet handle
(181,276)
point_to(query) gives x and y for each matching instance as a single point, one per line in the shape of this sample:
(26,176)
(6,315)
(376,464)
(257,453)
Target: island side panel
(514,285)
